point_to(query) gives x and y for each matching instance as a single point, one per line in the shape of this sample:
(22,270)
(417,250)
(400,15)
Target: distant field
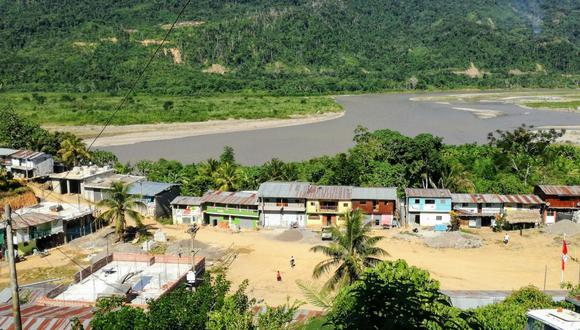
(570,105)
(83,109)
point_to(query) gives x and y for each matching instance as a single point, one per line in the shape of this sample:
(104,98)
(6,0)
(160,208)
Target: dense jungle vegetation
(288,47)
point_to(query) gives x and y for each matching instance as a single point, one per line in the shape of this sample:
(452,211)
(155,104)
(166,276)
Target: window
(439,218)
(416,201)
(464,204)
(311,203)
(441,201)
(520,206)
(345,204)
(429,201)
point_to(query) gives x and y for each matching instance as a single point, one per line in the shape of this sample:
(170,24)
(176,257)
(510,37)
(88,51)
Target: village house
(156,196)
(186,210)
(48,224)
(73,181)
(326,205)
(482,210)
(283,204)
(561,202)
(5,160)
(378,204)
(26,164)
(231,209)
(96,189)
(428,207)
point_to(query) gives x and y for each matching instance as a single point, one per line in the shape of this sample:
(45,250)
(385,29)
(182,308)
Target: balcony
(298,207)
(328,208)
(39,233)
(232,211)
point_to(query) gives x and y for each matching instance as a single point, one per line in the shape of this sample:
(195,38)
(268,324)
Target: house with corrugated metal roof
(428,207)
(477,210)
(186,210)
(326,205)
(377,203)
(48,224)
(283,204)
(156,196)
(27,164)
(561,202)
(231,209)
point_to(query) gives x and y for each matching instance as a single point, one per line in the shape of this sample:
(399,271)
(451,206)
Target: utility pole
(192,230)
(12,265)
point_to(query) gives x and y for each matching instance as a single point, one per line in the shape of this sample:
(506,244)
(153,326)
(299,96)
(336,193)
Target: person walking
(506,239)
(292,262)
(278,276)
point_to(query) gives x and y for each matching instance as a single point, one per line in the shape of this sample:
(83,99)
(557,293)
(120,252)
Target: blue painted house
(428,207)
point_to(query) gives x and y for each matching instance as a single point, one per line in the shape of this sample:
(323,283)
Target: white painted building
(73,181)
(282,204)
(186,210)
(28,164)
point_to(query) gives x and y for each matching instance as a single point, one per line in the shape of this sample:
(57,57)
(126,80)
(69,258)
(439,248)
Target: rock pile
(453,240)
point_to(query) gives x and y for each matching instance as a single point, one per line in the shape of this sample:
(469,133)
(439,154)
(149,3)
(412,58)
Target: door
(417,219)
(328,220)
(246,223)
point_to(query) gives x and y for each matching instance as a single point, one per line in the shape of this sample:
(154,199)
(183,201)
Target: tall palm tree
(227,177)
(73,151)
(120,206)
(351,251)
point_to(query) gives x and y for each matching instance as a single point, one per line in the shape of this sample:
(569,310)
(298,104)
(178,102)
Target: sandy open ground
(130,134)
(259,255)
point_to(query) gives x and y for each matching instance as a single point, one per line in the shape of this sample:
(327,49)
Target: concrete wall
(431,218)
(193,212)
(283,219)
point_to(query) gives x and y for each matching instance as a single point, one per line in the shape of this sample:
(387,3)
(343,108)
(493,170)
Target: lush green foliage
(119,206)
(96,108)
(208,307)
(394,295)
(351,251)
(288,46)
(511,313)
(8,183)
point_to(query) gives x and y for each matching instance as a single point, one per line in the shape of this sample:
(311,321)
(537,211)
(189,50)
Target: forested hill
(289,46)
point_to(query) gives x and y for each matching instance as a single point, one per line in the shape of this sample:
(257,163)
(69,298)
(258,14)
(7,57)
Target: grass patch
(315,323)
(159,248)
(95,108)
(66,272)
(568,105)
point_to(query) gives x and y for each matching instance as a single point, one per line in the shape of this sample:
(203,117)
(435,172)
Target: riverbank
(131,134)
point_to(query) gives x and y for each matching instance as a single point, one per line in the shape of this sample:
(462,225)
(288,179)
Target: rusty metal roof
(560,190)
(30,219)
(234,198)
(495,198)
(329,192)
(283,189)
(46,317)
(27,154)
(436,193)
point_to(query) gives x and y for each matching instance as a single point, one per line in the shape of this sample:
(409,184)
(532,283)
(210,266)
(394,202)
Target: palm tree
(73,151)
(351,251)
(227,177)
(120,206)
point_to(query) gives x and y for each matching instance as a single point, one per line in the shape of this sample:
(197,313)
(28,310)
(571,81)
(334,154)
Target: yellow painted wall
(312,208)
(25,250)
(314,223)
(342,208)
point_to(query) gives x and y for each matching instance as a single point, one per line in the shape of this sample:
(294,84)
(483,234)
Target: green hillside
(289,46)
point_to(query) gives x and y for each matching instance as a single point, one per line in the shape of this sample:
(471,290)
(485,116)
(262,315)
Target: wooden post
(12,265)
(545,275)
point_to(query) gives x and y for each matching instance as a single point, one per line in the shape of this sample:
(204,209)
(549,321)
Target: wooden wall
(384,207)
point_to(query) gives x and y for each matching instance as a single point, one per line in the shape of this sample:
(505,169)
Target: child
(278,276)
(292,262)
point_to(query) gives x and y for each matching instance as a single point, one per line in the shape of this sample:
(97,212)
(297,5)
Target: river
(457,122)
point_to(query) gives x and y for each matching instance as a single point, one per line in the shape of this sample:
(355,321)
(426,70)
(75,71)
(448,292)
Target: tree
(228,155)
(523,148)
(394,295)
(351,251)
(120,206)
(227,177)
(73,152)
(102,158)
